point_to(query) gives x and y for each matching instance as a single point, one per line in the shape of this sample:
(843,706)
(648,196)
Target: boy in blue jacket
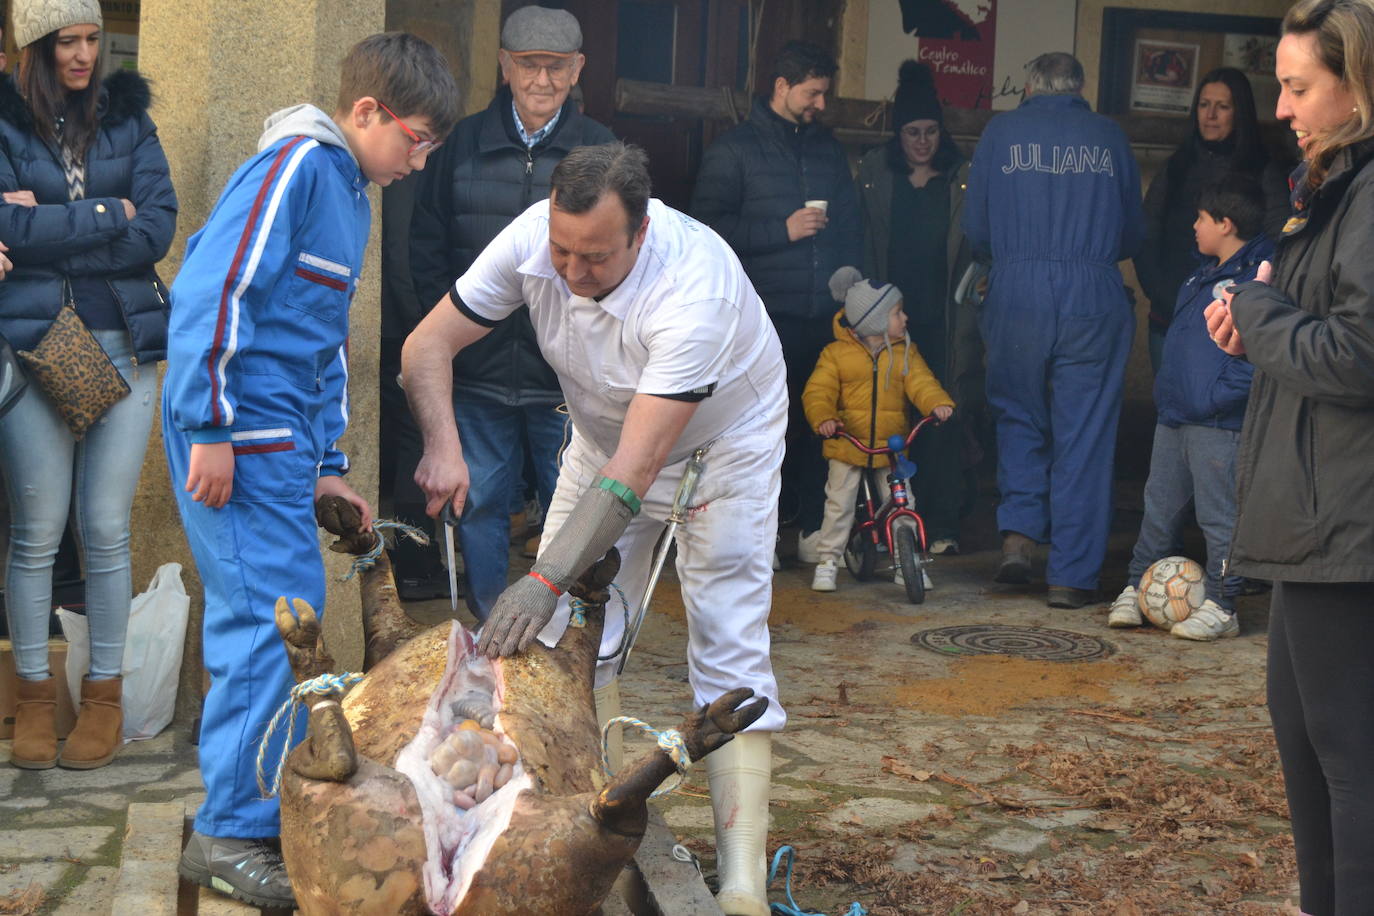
(1200,393)
(255,400)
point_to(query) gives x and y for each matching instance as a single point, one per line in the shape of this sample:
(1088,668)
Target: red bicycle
(891,523)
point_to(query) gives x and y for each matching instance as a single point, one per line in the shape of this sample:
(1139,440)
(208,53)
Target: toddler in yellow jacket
(861,384)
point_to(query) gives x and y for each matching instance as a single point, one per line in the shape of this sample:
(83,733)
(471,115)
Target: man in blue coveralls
(1054,197)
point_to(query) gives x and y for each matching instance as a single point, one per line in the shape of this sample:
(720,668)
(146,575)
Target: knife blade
(450,523)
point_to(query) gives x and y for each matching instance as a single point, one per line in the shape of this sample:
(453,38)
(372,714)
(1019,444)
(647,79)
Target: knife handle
(447,516)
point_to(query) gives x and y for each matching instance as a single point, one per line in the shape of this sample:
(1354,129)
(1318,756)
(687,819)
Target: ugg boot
(35,724)
(99,726)
(607,701)
(739,774)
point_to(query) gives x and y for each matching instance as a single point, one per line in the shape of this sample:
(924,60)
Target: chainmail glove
(592,527)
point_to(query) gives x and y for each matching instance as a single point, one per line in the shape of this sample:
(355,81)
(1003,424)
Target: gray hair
(1055,73)
(588,172)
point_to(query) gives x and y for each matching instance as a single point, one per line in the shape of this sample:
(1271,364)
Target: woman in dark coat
(88,209)
(911,197)
(1304,478)
(1225,138)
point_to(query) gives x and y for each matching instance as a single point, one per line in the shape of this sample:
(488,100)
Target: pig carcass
(378,814)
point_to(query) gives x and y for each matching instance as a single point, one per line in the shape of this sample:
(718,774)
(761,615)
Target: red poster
(956,39)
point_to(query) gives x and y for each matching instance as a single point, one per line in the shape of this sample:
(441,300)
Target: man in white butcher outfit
(662,347)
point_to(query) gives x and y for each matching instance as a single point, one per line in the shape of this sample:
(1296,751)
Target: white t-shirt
(686,320)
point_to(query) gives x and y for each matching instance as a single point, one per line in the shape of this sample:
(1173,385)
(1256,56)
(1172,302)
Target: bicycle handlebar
(911,436)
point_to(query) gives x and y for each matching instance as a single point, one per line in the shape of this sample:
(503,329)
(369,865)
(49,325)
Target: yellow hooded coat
(854,386)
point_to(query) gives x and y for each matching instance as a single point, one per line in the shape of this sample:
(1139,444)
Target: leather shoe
(1016,559)
(1067,596)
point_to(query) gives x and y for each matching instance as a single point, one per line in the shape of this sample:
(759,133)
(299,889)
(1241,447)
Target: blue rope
(790,908)
(364,562)
(326,685)
(669,739)
(579,608)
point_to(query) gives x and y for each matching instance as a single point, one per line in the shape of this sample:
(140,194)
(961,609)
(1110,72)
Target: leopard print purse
(74,371)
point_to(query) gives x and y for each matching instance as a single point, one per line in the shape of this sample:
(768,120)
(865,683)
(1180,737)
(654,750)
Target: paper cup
(820,205)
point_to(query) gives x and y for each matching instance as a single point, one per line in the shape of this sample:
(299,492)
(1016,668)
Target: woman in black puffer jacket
(1304,481)
(88,209)
(1225,139)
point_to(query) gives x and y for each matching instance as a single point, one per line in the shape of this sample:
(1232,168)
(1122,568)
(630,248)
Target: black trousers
(1321,700)
(803,469)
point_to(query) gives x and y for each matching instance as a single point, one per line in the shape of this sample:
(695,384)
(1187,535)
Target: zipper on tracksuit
(873,414)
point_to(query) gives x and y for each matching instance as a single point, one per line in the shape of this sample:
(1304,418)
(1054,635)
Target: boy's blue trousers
(261,545)
(1058,334)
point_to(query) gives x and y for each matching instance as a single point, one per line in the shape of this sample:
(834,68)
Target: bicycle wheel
(860,554)
(909,561)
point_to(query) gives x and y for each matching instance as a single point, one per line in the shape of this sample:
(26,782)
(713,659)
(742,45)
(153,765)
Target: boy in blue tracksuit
(1054,197)
(1200,393)
(254,403)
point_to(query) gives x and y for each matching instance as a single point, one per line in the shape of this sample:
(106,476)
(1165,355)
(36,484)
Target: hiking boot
(1209,622)
(823,580)
(1067,596)
(248,870)
(944,547)
(1126,609)
(807,550)
(1016,559)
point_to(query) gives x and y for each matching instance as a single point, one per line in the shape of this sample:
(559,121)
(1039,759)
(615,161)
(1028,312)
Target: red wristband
(553,588)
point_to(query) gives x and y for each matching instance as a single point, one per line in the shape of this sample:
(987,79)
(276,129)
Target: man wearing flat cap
(493,166)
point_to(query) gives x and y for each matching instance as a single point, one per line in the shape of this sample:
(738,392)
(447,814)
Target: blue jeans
(491,436)
(47,472)
(1190,465)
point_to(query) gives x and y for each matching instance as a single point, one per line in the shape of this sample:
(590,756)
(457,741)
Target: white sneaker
(807,547)
(945,547)
(900,580)
(1126,609)
(1207,623)
(824,578)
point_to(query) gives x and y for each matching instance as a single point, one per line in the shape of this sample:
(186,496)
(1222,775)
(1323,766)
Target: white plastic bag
(152,652)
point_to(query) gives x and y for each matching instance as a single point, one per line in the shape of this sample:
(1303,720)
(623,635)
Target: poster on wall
(976,49)
(1165,76)
(1253,55)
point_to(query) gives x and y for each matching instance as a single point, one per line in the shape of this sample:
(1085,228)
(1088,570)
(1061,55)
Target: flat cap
(540,30)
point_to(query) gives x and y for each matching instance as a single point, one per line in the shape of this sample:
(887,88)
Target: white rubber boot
(740,774)
(607,701)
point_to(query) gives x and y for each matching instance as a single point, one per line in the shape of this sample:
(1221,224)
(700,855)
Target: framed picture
(1165,76)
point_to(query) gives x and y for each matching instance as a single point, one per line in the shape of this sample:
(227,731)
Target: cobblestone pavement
(910,780)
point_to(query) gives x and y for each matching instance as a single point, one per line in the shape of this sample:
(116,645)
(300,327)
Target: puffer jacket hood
(868,393)
(62,239)
(1198,384)
(302,121)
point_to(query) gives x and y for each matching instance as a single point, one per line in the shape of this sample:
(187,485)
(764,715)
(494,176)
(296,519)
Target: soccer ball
(1170,590)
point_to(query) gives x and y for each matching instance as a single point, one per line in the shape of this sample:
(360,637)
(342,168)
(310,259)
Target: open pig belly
(472,792)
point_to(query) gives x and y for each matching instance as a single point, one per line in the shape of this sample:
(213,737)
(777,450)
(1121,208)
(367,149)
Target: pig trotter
(593,586)
(304,639)
(622,807)
(341,518)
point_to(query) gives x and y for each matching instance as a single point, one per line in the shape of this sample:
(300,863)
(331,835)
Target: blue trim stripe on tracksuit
(258,357)
(1054,197)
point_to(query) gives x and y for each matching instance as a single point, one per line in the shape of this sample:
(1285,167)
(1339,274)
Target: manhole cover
(1024,642)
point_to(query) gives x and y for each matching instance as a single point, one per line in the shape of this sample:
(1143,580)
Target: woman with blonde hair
(1303,473)
(87,209)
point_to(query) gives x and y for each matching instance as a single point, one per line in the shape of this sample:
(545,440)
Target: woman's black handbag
(13,383)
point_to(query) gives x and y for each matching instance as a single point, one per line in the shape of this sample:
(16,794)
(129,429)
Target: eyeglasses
(557,71)
(417,144)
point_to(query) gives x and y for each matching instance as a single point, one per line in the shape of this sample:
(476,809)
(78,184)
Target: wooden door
(677,42)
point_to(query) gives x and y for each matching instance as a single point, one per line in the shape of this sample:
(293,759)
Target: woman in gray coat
(1305,488)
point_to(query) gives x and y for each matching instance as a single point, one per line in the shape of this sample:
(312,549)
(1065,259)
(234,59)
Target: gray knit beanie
(866,306)
(32,19)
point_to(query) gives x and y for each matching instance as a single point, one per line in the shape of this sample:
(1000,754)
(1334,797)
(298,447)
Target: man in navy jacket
(1054,197)
(753,189)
